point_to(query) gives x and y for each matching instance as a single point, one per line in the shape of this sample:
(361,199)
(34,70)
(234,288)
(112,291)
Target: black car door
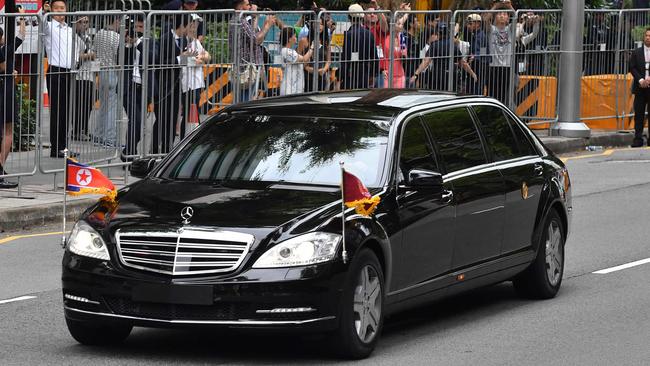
(522,171)
(426,216)
(477,186)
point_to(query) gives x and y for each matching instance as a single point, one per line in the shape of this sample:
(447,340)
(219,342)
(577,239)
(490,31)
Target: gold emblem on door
(524,190)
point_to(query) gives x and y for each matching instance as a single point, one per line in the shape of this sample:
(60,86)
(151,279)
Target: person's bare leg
(7,140)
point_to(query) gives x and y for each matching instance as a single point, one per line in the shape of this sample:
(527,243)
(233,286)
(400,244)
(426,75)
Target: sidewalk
(39,203)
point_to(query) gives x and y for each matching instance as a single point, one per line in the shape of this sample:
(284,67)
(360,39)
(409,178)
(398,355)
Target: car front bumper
(301,298)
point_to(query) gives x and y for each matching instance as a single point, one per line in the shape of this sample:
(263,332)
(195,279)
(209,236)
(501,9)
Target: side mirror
(140,168)
(425,179)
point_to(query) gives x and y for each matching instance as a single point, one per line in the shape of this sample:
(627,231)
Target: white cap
(356,11)
(196,17)
(474,18)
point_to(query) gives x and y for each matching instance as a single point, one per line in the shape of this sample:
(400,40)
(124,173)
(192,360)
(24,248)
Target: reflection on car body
(240,225)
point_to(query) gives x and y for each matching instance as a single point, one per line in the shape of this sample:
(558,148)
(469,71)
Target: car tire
(542,279)
(362,311)
(97,334)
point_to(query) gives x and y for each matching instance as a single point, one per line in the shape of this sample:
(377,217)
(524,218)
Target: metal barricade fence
(421,52)
(84,71)
(123,84)
(603,76)
(278,66)
(537,60)
(359,56)
(18,93)
(187,75)
(631,26)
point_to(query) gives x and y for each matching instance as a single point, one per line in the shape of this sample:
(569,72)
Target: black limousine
(240,226)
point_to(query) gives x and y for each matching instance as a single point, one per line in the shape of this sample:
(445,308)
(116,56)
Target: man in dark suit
(359,63)
(640,70)
(133,80)
(172,47)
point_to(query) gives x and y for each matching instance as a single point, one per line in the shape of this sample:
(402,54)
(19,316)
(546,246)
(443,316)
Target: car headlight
(316,247)
(84,240)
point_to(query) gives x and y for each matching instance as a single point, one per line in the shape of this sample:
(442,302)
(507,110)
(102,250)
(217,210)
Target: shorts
(8,104)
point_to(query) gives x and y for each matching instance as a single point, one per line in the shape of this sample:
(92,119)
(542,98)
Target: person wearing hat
(478,61)
(359,61)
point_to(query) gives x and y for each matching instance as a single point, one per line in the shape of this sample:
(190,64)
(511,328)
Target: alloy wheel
(367,304)
(554,254)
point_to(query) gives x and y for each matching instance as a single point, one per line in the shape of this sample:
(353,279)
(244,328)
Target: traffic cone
(194,114)
(46,96)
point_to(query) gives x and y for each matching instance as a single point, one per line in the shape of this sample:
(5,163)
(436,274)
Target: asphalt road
(597,319)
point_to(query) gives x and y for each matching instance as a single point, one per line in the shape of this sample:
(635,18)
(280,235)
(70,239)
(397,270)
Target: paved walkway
(39,202)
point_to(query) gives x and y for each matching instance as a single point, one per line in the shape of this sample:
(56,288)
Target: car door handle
(446,196)
(539,169)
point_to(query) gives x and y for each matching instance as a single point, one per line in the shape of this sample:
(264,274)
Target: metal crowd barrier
(124,86)
(18,110)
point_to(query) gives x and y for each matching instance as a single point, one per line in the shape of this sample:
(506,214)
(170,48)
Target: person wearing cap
(359,61)
(478,61)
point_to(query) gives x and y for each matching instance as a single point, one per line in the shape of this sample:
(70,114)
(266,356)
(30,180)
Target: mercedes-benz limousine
(241,224)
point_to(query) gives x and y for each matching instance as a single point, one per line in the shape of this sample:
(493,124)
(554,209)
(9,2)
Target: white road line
(623,266)
(21,298)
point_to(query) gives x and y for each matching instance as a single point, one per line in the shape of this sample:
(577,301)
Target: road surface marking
(604,153)
(21,298)
(16,237)
(623,266)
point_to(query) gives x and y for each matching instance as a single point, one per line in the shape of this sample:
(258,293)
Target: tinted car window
(525,146)
(416,152)
(304,150)
(497,132)
(456,137)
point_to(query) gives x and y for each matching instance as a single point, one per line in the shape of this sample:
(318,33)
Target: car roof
(376,104)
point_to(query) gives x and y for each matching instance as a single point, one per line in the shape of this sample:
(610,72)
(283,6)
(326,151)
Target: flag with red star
(83,179)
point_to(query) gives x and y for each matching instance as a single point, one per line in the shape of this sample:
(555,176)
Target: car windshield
(302,150)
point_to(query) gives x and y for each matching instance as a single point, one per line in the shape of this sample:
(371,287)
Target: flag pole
(65,192)
(345,252)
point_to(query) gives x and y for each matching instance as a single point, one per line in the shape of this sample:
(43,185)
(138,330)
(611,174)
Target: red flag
(356,195)
(83,179)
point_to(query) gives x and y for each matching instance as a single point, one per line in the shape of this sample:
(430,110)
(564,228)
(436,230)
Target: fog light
(285,310)
(80,299)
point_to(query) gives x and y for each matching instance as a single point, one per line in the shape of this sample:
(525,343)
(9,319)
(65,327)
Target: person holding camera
(249,51)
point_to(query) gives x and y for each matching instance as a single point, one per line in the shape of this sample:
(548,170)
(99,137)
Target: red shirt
(380,39)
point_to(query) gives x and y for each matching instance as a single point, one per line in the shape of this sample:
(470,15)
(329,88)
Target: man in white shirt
(58,46)
(640,70)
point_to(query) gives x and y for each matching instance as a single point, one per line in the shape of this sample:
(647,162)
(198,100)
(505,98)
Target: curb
(31,216)
(564,145)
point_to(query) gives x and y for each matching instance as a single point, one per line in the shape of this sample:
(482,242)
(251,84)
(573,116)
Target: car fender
(366,232)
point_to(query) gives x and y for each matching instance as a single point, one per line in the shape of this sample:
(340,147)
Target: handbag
(249,75)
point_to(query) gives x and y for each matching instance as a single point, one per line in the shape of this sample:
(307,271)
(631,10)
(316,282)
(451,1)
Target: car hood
(159,202)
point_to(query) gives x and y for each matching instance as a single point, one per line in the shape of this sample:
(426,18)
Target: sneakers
(4,184)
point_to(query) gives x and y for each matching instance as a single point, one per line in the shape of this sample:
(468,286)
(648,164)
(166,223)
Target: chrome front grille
(187,251)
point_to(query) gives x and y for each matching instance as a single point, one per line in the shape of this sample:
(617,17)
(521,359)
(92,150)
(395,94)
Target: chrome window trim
(199,233)
(211,322)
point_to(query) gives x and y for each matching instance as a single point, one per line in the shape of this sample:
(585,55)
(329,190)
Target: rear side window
(416,152)
(525,146)
(456,137)
(498,133)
